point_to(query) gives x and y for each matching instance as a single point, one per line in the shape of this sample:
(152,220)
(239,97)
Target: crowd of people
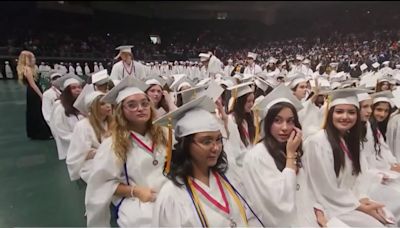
(298,140)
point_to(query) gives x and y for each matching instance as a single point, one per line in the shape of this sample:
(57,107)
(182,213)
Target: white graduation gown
(83,139)
(71,70)
(87,70)
(174,206)
(255,69)
(9,73)
(118,72)
(49,98)
(384,193)
(339,196)
(237,154)
(63,127)
(310,118)
(101,67)
(108,172)
(96,68)
(228,70)
(282,199)
(79,71)
(392,135)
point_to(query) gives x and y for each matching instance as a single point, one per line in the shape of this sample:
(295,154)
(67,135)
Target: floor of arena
(35,188)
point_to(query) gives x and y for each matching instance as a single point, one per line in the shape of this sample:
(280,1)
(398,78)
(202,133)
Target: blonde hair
(23,63)
(94,120)
(121,137)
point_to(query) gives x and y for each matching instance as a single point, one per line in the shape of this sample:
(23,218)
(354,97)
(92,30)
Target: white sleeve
(78,149)
(61,125)
(106,175)
(310,118)
(322,179)
(47,104)
(115,72)
(272,191)
(170,211)
(140,72)
(392,134)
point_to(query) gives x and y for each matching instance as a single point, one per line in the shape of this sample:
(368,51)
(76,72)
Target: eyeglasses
(134,106)
(210,143)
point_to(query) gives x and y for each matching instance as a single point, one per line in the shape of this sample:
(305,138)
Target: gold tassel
(325,120)
(257,126)
(169,147)
(232,100)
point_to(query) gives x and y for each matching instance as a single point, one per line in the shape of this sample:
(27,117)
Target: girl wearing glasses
(201,192)
(127,168)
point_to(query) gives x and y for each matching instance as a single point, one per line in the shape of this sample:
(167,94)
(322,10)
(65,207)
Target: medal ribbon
(142,143)
(345,149)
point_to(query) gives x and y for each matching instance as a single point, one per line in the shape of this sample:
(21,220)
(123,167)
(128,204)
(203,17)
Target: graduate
(161,99)
(100,81)
(392,134)
(50,96)
(380,160)
(127,168)
(88,132)
(240,104)
(272,171)
(127,66)
(200,192)
(252,67)
(333,166)
(65,115)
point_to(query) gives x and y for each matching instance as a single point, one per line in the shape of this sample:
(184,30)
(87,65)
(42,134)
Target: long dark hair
(352,140)
(181,162)
(241,116)
(67,101)
(163,103)
(375,125)
(274,147)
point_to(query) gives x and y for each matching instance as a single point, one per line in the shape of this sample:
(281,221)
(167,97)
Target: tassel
(232,100)
(169,148)
(325,120)
(257,126)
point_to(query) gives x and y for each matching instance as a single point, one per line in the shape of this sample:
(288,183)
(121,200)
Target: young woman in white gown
(65,116)
(272,171)
(161,98)
(88,133)
(200,192)
(128,167)
(334,168)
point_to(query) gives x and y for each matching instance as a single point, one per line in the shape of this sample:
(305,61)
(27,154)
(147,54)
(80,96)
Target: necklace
(150,150)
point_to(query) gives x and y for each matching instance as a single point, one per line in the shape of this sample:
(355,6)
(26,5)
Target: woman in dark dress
(36,126)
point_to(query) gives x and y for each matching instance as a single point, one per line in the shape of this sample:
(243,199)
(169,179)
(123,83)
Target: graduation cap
(100,77)
(262,84)
(346,96)
(127,87)
(383,96)
(295,79)
(252,55)
(190,118)
(386,63)
(363,97)
(67,80)
(54,73)
(191,94)
(203,82)
(156,80)
(123,48)
(204,56)
(238,91)
(179,81)
(384,78)
(86,98)
(363,67)
(375,65)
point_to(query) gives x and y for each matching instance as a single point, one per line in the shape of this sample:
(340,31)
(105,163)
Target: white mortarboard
(384,78)
(238,91)
(280,94)
(383,96)
(227,81)
(386,63)
(85,99)
(353,65)
(191,118)
(191,94)
(397,66)
(54,73)
(213,91)
(299,57)
(262,84)
(363,67)
(67,80)
(123,48)
(204,56)
(252,55)
(295,79)
(156,81)
(375,65)
(334,64)
(346,96)
(127,87)
(247,78)
(363,96)
(100,77)
(396,99)
(203,82)
(230,60)
(272,60)
(306,61)
(178,80)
